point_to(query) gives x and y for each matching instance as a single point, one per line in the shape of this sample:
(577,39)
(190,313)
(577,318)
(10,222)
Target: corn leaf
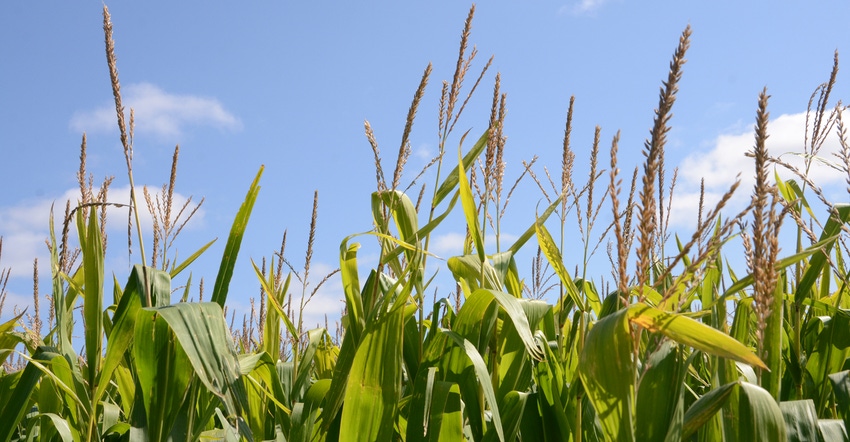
(186,262)
(692,333)
(351,288)
(304,414)
(452,179)
(470,211)
(550,250)
(781,264)
(841,387)
(203,335)
(60,425)
(124,320)
(14,409)
(435,410)
(514,363)
(163,371)
(816,264)
(425,230)
(91,244)
(234,242)
(705,408)
(374,381)
(512,407)
(759,416)
(833,429)
(479,368)
(419,412)
(607,372)
(8,338)
(660,392)
(801,420)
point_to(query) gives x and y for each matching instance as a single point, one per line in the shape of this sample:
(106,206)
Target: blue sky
(288,85)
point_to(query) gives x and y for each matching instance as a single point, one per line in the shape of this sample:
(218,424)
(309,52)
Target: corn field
(678,346)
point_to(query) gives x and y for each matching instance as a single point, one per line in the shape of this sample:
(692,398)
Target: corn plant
(683,347)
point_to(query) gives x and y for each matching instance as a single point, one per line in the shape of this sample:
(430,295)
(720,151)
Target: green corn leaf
(780,265)
(91,245)
(692,333)
(425,230)
(816,264)
(60,425)
(163,371)
(451,181)
(705,408)
(759,416)
(124,320)
(833,429)
(607,372)
(339,381)
(8,338)
(469,268)
(483,377)
(659,394)
(513,283)
(550,250)
(419,413)
(374,381)
(260,367)
(305,363)
(841,387)
(351,288)
(12,411)
(799,194)
(403,213)
(824,356)
(275,299)
(61,307)
(512,407)
(304,414)
(186,262)
(203,335)
(514,364)
(532,230)
(450,421)
(470,211)
(801,420)
(771,345)
(531,426)
(435,410)
(234,241)
(549,416)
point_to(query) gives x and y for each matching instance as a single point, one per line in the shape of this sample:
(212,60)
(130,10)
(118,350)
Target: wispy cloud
(328,299)
(158,112)
(726,160)
(424,151)
(448,244)
(582,7)
(451,244)
(24,226)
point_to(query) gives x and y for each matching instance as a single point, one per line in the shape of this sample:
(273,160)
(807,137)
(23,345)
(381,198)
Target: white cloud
(582,7)
(158,112)
(24,226)
(424,152)
(121,195)
(447,244)
(726,160)
(328,300)
(451,244)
